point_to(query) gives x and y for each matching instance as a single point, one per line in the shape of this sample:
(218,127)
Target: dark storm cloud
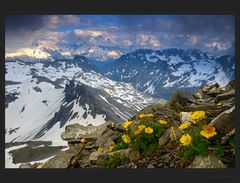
(19,29)
(213,33)
(17,23)
(206,24)
(23,30)
(36,22)
(187,24)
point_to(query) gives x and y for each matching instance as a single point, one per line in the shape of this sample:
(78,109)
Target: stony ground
(102,146)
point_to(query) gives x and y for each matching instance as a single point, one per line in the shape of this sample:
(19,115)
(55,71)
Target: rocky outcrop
(96,151)
(225,121)
(62,159)
(75,132)
(213,99)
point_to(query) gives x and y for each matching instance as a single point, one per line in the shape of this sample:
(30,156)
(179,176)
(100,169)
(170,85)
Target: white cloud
(193,40)
(113,54)
(148,41)
(127,42)
(217,45)
(56,21)
(80,32)
(35,53)
(95,37)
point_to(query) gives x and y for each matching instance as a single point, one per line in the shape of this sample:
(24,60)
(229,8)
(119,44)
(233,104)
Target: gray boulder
(225,95)
(62,159)
(75,132)
(225,122)
(209,161)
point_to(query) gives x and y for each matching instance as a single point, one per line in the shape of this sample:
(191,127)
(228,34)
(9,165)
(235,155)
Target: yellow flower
(141,127)
(82,140)
(162,122)
(186,139)
(126,139)
(184,125)
(139,130)
(127,124)
(148,130)
(149,115)
(110,148)
(100,149)
(141,116)
(208,131)
(198,115)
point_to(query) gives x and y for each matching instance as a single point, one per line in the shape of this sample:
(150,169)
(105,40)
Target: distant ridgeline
(160,73)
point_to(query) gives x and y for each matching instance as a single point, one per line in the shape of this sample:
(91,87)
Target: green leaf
(201,148)
(220,151)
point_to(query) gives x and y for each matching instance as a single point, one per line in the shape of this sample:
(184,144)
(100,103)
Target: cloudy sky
(212,33)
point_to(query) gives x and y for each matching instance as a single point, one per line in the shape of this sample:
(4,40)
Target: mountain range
(48,88)
(160,73)
(43,97)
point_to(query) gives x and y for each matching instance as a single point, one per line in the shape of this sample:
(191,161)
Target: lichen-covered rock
(109,134)
(229,86)
(76,131)
(209,161)
(150,166)
(201,107)
(175,133)
(185,116)
(125,152)
(218,103)
(225,122)
(208,88)
(62,159)
(96,156)
(183,98)
(225,95)
(165,138)
(107,143)
(201,95)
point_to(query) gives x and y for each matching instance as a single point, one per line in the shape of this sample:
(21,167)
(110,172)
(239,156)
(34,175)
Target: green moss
(220,151)
(113,161)
(232,143)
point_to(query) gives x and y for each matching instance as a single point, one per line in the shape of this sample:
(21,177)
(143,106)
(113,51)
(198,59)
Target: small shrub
(202,138)
(142,136)
(114,161)
(232,143)
(219,151)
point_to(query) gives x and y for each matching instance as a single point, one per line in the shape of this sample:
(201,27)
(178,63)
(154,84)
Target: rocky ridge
(96,146)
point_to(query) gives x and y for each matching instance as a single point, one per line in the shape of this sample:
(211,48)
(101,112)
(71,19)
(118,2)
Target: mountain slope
(41,98)
(82,103)
(159,73)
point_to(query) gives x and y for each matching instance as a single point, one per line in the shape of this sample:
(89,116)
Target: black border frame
(119,7)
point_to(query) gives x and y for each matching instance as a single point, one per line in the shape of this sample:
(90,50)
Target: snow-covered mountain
(160,73)
(47,51)
(43,97)
(96,53)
